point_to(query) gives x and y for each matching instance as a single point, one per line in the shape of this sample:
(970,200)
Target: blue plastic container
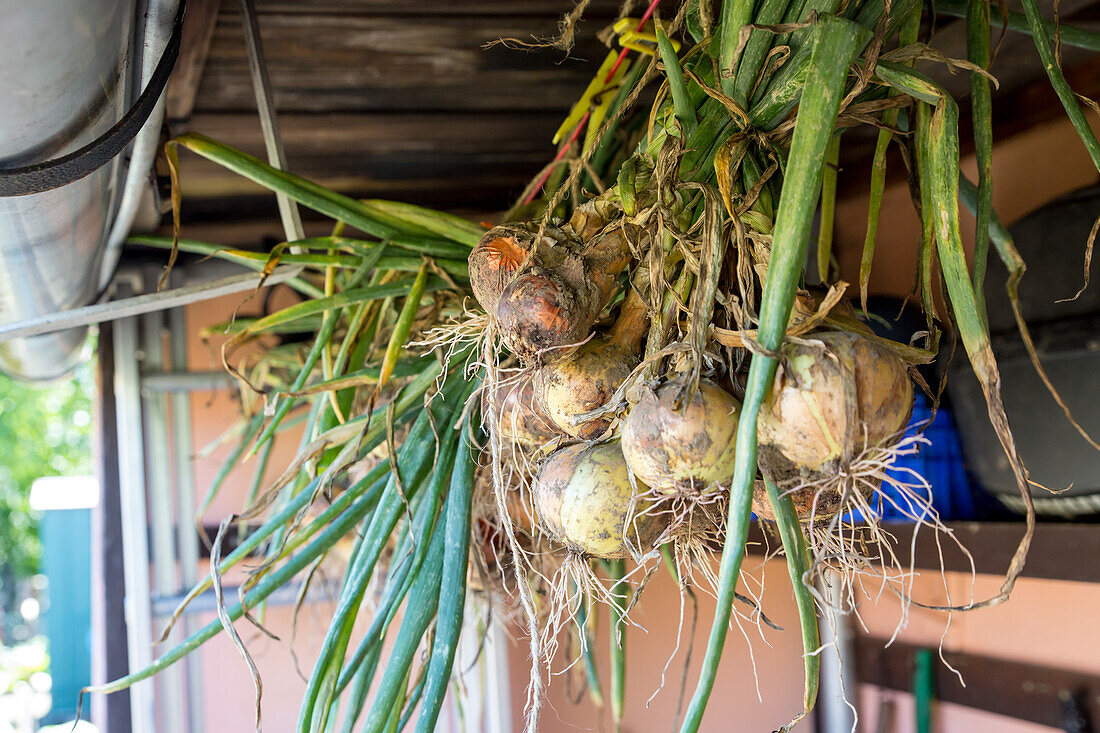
(939,461)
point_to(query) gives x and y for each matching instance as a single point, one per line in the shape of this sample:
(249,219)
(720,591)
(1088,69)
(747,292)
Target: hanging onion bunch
(643,342)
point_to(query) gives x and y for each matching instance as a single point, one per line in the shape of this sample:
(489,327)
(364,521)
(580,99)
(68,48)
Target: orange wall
(650,645)
(1049,623)
(1029,170)
(1045,622)
(227,687)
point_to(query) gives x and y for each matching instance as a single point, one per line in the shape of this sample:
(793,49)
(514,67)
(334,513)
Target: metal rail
(141,304)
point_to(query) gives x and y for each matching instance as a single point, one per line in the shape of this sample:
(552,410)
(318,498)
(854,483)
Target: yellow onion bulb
(811,503)
(828,404)
(584,499)
(672,447)
(582,382)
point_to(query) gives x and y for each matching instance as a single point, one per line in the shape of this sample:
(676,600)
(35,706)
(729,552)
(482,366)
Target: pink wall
(227,689)
(1029,170)
(1046,622)
(1029,628)
(734,704)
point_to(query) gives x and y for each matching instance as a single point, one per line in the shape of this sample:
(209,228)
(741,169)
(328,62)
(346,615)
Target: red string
(561,154)
(580,125)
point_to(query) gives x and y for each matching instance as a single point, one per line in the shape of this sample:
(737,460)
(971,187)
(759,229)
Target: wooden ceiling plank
(198,33)
(354,63)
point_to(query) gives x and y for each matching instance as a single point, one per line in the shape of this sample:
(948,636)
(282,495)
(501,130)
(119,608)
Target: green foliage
(44,431)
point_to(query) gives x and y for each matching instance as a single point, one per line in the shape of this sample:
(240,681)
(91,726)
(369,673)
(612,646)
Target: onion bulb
(520,418)
(673,447)
(586,379)
(584,499)
(834,396)
(496,260)
(550,305)
(810,503)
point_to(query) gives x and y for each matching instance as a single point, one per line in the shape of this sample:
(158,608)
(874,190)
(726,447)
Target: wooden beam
(198,32)
(1037,694)
(109,659)
(1058,551)
(452,160)
(324,63)
(598,9)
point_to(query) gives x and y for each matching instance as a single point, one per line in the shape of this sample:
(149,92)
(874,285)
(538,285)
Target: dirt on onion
(585,380)
(674,447)
(585,500)
(549,306)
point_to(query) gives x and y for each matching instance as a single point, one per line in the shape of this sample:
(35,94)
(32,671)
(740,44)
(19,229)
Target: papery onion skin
(520,417)
(828,404)
(587,379)
(672,448)
(811,504)
(549,307)
(585,500)
(497,259)
(584,382)
(542,317)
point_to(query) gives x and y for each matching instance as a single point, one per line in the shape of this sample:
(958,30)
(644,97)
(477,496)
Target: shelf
(1059,551)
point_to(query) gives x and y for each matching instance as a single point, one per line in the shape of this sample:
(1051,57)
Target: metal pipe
(53,322)
(181,382)
(159,481)
(67,74)
(839,686)
(64,71)
(273,142)
(159,19)
(135,543)
(185,519)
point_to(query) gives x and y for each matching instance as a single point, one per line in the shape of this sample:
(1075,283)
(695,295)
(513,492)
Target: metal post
(839,685)
(135,545)
(261,85)
(498,690)
(182,382)
(185,495)
(486,688)
(159,477)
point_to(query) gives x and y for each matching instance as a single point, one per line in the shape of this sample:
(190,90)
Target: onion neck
(631,325)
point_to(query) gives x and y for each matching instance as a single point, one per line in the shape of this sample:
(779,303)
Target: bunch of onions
(837,395)
(585,500)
